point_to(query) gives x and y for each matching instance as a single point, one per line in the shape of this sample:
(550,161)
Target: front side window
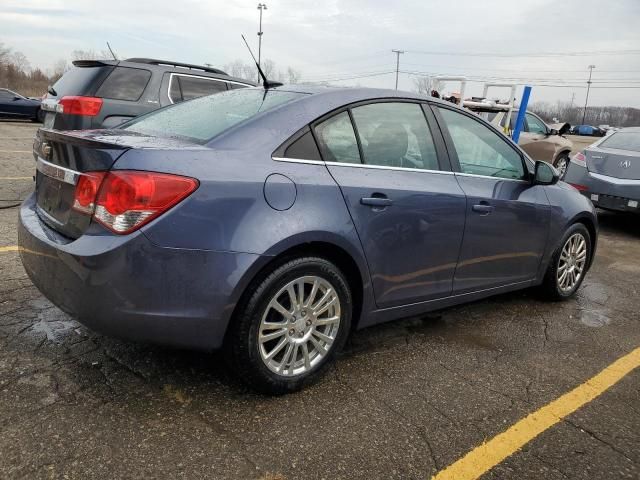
(338,140)
(395,135)
(206,117)
(185,87)
(124,83)
(480,150)
(535,125)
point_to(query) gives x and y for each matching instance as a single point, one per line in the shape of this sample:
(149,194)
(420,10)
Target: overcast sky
(340,39)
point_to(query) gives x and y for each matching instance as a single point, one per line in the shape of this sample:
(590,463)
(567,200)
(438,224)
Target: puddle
(594,318)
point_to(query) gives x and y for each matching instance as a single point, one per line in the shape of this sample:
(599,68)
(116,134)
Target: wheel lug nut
(304,312)
(292,331)
(308,323)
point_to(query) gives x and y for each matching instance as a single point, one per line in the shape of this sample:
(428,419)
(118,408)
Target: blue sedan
(15,106)
(273,222)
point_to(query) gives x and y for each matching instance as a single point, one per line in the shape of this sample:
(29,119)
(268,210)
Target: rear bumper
(606,192)
(130,288)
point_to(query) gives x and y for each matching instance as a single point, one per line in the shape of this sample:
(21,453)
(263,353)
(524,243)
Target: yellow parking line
(486,456)
(10,248)
(16,151)
(16,178)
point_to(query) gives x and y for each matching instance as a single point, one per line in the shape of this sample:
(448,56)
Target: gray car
(273,222)
(608,171)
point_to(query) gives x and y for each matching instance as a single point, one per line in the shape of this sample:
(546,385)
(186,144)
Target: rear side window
(395,135)
(6,95)
(623,141)
(303,148)
(186,87)
(124,83)
(338,140)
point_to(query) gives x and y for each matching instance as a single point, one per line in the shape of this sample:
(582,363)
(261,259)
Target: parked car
(588,130)
(14,105)
(106,93)
(608,171)
(272,222)
(539,140)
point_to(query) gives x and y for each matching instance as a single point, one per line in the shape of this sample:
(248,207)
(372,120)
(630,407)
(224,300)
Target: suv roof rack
(153,61)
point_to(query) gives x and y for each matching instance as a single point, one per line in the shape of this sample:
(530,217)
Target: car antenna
(111,50)
(265,83)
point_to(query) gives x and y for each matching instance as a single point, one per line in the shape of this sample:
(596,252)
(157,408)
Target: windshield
(623,141)
(203,118)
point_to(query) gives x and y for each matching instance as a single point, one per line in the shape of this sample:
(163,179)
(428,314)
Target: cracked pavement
(404,400)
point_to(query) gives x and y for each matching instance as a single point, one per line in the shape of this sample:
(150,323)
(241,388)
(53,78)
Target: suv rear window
(186,87)
(124,83)
(203,118)
(80,80)
(623,141)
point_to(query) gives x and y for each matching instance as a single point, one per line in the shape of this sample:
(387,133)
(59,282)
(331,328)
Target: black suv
(106,93)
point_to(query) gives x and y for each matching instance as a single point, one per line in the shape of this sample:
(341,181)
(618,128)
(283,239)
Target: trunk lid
(62,157)
(614,162)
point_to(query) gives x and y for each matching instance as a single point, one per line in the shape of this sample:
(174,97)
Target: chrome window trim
(298,160)
(57,172)
(615,180)
(213,79)
(384,167)
(492,178)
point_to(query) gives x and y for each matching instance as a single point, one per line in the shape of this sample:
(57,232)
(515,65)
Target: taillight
(74,105)
(580,159)
(126,199)
(87,191)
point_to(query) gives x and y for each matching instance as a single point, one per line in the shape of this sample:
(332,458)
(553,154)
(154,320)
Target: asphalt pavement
(405,400)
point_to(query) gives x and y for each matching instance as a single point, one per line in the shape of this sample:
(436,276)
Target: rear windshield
(125,83)
(80,80)
(203,118)
(623,141)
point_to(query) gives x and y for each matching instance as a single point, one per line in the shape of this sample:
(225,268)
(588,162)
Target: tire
(561,163)
(565,262)
(291,324)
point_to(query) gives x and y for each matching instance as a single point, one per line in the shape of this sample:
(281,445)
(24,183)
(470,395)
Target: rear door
(535,141)
(405,202)
(507,218)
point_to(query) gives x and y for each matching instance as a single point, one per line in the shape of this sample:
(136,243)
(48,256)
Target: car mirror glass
(545,174)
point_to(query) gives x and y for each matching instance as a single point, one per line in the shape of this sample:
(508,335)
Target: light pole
(586,100)
(261,7)
(397,52)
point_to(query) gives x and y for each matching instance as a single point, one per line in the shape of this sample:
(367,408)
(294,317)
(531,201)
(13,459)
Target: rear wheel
(569,264)
(561,163)
(292,326)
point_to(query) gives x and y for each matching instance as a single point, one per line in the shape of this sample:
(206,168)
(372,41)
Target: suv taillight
(125,200)
(74,105)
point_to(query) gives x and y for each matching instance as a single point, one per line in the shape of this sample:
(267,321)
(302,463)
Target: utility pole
(573,97)
(397,52)
(261,7)
(586,100)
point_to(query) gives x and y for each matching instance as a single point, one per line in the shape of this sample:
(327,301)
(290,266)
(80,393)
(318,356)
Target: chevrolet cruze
(272,223)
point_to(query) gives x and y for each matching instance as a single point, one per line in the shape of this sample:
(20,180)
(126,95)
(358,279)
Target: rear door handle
(376,201)
(482,209)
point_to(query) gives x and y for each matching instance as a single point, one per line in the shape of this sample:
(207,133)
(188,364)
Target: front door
(507,217)
(408,211)
(536,141)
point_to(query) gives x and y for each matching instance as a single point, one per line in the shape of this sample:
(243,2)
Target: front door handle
(376,201)
(482,208)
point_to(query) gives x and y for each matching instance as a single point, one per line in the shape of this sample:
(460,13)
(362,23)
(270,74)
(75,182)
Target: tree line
(565,112)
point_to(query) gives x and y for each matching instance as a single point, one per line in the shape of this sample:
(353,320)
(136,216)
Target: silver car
(608,171)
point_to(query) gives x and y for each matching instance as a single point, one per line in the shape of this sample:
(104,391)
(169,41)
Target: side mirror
(16,98)
(545,174)
(553,131)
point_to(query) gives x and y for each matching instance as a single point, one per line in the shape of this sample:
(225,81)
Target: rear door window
(338,140)
(395,135)
(186,87)
(124,83)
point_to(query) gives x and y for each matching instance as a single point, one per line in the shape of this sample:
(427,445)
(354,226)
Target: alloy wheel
(573,259)
(299,326)
(563,163)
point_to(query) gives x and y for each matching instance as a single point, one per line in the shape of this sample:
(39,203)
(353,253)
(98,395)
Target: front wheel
(562,163)
(291,326)
(569,264)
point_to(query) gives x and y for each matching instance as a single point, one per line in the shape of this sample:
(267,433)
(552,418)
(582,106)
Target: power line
(528,55)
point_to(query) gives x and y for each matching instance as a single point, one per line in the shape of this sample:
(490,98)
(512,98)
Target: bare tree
(19,60)
(91,55)
(293,75)
(4,54)
(423,85)
(59,68)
